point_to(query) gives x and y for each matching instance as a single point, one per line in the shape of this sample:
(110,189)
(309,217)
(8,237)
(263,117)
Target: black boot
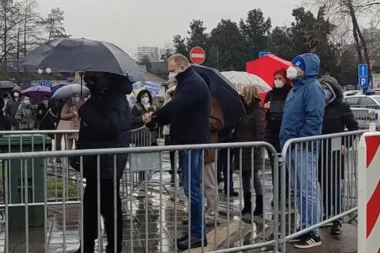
(247,204)
(259,206)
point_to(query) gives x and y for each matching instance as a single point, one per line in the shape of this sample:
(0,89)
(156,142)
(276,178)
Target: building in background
(153,53)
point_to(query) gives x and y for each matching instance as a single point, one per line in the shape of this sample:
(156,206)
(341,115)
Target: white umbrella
(66,91)
(241,79)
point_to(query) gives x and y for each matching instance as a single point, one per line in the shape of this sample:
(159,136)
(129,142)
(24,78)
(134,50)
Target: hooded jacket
(11,108)
(105,123)
(305,104)
(338,116)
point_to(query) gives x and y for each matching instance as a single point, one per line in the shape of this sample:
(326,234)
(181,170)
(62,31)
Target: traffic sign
(262,54)
(197,55)
(363,76)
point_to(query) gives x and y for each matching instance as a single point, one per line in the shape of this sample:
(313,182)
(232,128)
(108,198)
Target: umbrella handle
(81,84)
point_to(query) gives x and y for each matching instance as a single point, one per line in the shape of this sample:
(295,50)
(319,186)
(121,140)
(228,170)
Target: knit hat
(299,62)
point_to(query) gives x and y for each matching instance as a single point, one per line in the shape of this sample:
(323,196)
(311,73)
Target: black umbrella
(78,55)
(225,92)
(8,85)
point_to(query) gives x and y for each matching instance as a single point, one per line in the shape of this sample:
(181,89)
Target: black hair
(143,92)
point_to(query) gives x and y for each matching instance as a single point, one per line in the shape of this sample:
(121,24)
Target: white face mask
(278,83)
(172,76)
(45,102)
(27,102)
(16,95)
(145,100)
(292,73)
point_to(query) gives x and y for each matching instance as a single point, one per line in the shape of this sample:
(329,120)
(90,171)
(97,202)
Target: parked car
(366,109)
(351,93)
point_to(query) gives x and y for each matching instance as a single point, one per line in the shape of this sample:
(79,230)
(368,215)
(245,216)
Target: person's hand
(75,113)
(267,106)
(147,117)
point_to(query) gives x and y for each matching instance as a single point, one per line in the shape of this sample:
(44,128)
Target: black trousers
(90,218)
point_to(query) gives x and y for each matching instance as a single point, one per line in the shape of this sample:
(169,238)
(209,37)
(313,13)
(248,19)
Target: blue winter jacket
(305,104)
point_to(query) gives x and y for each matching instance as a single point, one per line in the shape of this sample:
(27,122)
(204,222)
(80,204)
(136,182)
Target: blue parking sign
(363,76)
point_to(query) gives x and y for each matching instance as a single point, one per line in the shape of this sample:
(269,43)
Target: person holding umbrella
(70,118)
(11,108)
(105,123)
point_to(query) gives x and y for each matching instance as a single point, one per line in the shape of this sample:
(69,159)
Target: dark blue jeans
(191,170)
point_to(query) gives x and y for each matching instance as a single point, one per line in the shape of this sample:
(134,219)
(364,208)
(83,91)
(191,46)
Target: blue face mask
(328,95)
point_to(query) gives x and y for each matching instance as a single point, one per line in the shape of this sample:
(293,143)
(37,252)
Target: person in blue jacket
(303,117)
(188,116)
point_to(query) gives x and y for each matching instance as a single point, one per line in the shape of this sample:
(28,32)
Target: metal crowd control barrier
(366,114)
(43,140)
(160,214)
(318,182)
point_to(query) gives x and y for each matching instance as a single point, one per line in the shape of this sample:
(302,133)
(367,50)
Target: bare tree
(343,10)
(8,29)
(32,30)
(53,24)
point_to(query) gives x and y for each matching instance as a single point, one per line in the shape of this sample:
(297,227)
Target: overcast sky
(133,23)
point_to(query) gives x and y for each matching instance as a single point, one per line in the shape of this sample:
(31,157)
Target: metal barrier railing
(366,114)
(156,216)
(156,210)
(319,182)
(43,140)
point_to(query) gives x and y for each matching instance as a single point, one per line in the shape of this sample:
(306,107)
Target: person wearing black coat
(274,105)
(188,116)
(338,116)
(250,129)
(144,105)
(12,107)
(4,122)
(47,120)
(105,123)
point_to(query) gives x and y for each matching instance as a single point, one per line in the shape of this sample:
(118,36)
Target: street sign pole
(363,76)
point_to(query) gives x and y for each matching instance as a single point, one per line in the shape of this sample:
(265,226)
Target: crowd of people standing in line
(298,106)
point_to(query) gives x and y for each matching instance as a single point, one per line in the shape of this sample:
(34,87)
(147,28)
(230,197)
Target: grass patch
(55,189)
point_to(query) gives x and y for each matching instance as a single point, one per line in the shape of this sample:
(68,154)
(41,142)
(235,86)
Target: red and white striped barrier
(369,193)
